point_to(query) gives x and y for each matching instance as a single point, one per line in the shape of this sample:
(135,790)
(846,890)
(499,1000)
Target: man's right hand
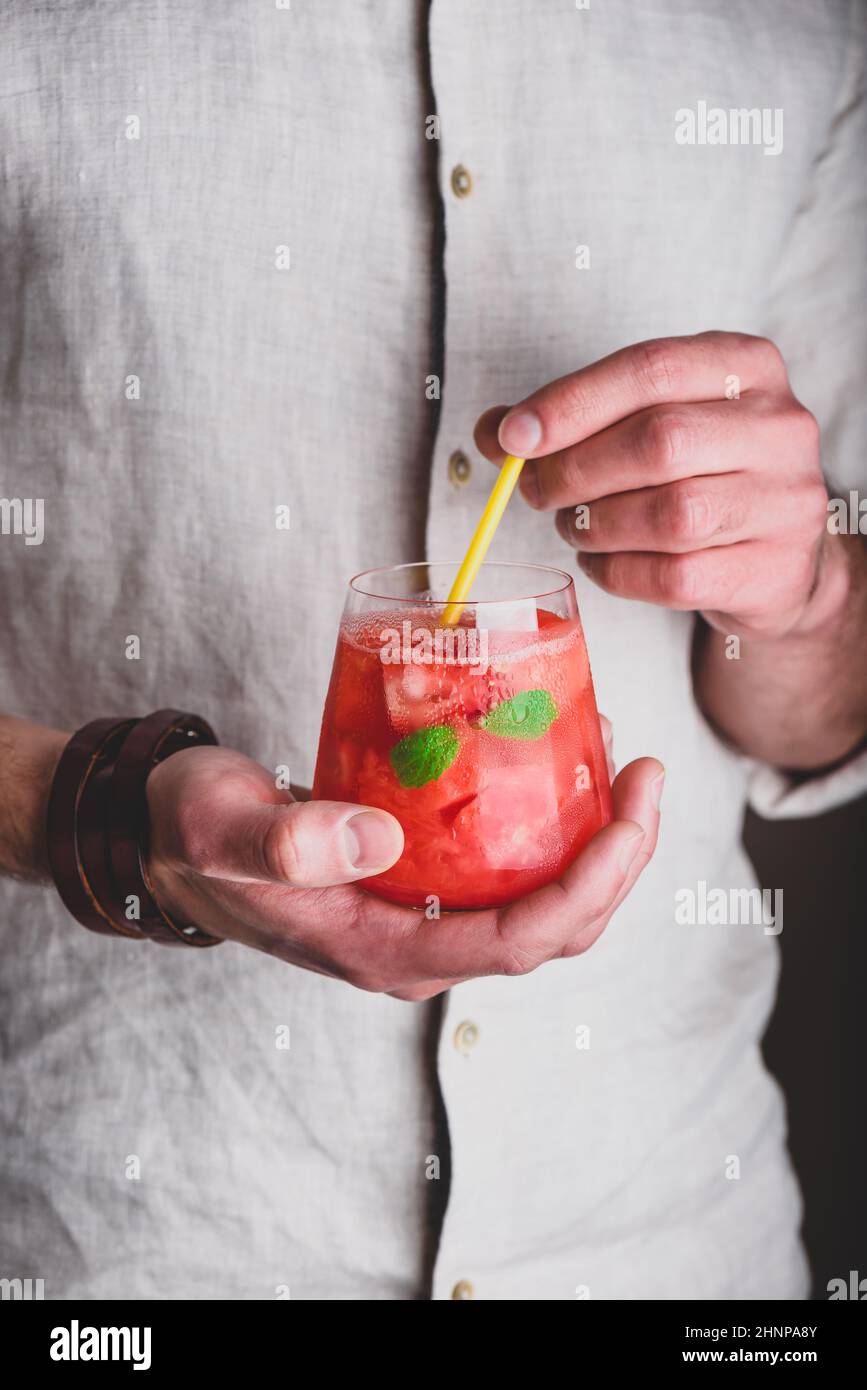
(244,861)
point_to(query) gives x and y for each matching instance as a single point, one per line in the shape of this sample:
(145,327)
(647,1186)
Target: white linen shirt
(221,266)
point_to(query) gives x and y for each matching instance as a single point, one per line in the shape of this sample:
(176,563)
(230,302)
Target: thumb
(313,844)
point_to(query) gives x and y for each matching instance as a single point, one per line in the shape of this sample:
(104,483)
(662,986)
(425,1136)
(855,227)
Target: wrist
(828,608)
(48,760)
(30,754)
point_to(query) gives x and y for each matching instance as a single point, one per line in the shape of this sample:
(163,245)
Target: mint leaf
(528,715)
(423,756)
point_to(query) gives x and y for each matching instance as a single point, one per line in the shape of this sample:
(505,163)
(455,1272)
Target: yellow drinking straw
(478,547)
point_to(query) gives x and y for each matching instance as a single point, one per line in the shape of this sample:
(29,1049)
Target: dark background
(815,1043)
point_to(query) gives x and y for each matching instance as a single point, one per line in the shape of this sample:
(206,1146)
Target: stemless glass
(482,738)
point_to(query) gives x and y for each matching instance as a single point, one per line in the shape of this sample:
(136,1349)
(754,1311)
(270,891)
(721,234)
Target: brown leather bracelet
(86,754)
(153,739)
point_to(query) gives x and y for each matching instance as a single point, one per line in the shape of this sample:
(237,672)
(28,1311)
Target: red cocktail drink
(483,739)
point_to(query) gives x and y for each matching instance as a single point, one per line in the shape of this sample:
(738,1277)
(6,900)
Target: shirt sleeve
(817,319)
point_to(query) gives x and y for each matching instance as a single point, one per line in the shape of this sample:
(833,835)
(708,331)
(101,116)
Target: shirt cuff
(777,797)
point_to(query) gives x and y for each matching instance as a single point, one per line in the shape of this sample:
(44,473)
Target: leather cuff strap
(88,752)
(97,824)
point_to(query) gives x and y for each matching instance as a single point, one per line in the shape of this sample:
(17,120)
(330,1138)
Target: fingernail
(629,849)
(656,789)
(369,840)
(520,432)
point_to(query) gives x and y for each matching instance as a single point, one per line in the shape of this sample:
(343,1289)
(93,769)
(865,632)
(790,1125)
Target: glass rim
(416,599)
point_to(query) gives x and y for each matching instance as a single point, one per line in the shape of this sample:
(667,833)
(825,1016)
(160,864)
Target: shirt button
(463,1289)
(462,181)
(466,1037)
(460,468)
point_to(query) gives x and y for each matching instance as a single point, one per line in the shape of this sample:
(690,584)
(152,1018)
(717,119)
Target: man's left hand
(686,473)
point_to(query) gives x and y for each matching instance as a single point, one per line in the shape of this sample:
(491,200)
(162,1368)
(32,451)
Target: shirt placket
(460,483)
(460,480)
